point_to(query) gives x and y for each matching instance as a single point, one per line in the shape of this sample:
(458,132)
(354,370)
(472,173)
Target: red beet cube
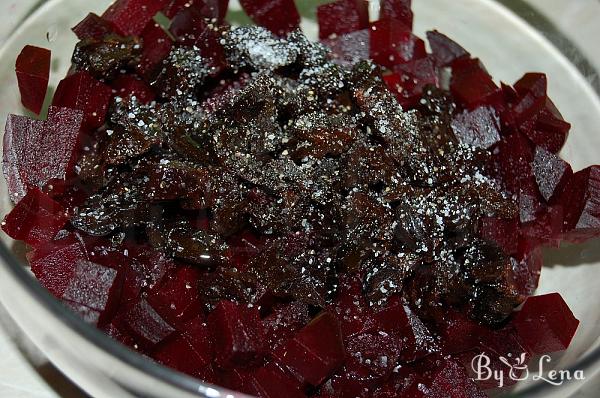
(89,315)
(33,72)
(177,297)
(546,324)
(279,16)
(190,351)
(132,16)
(450,379)
(272,382)
(130,86)
(54,263)
(95,287)
(211,9)
(398,10)
(315,352)
(547,129)
(513,157)
(551,173)
(35,219)
(157,46)
(285,321)
(145,324)
(190,28)
(238,334)
(410,79)
(351,306)
(532,83)
(350,48)
(37,152)
(479,128)
(94,27)
(81,91)
(581,205)
(547,227)
(392,43)
(472,85)
(444,50)
(342,17)
(372,356)
(526,270)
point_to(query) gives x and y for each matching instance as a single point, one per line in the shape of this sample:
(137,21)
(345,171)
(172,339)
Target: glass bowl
(510,37)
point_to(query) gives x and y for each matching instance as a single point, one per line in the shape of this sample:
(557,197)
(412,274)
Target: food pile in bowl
(355,217)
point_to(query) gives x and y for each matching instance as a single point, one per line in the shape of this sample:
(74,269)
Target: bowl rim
(19,271)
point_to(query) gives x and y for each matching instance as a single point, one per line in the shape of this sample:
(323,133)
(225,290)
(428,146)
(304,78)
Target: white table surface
(25,373)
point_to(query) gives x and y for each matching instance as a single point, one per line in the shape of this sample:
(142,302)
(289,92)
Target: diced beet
(35,219)
(526,270)
(315,352)
(450,379)
(94,27)
(191,29)
(530,201)
(503,232)
(479,128)
(410,79)
(89,315)
(157,46)
(580,200)
(350,48)
(459,333)
(189,351)
(211,9)
(550,131)
(551,173)
(94,286)
(507,356)
(285,321)
(119,334)
(341,17)
(132,16)
(392,44)
(513,157)
(533,83)
(472,85)
(372,356)
(397,10)
(242,247)
(33,73)
(271,382)
(37,152)
(145,324)
(177,297)
(545,324)
(279,16)
(54,264)
(129,85)
(547,228)
(351,306)
(238,334)
(443,49)
(81,91)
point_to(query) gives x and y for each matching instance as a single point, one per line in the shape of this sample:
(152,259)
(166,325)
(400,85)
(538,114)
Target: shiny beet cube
(81,91)
(94,287)
(94,27)
(450,379)
(444,50)
(37,152)
(545,324)
(532,83)
(35,219)
(279,16)
(392,43)
(130,86)
(270,381)
(143,322)
(472,85)
(54,263)
(238,334)
(580,200)
(211,9)
(551,173)
(315,352)
(177,297)
(157,46)
(350,48)
(33,72)
(479,128)
(132,16)
(397,10)
(342,17)
(410,79)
